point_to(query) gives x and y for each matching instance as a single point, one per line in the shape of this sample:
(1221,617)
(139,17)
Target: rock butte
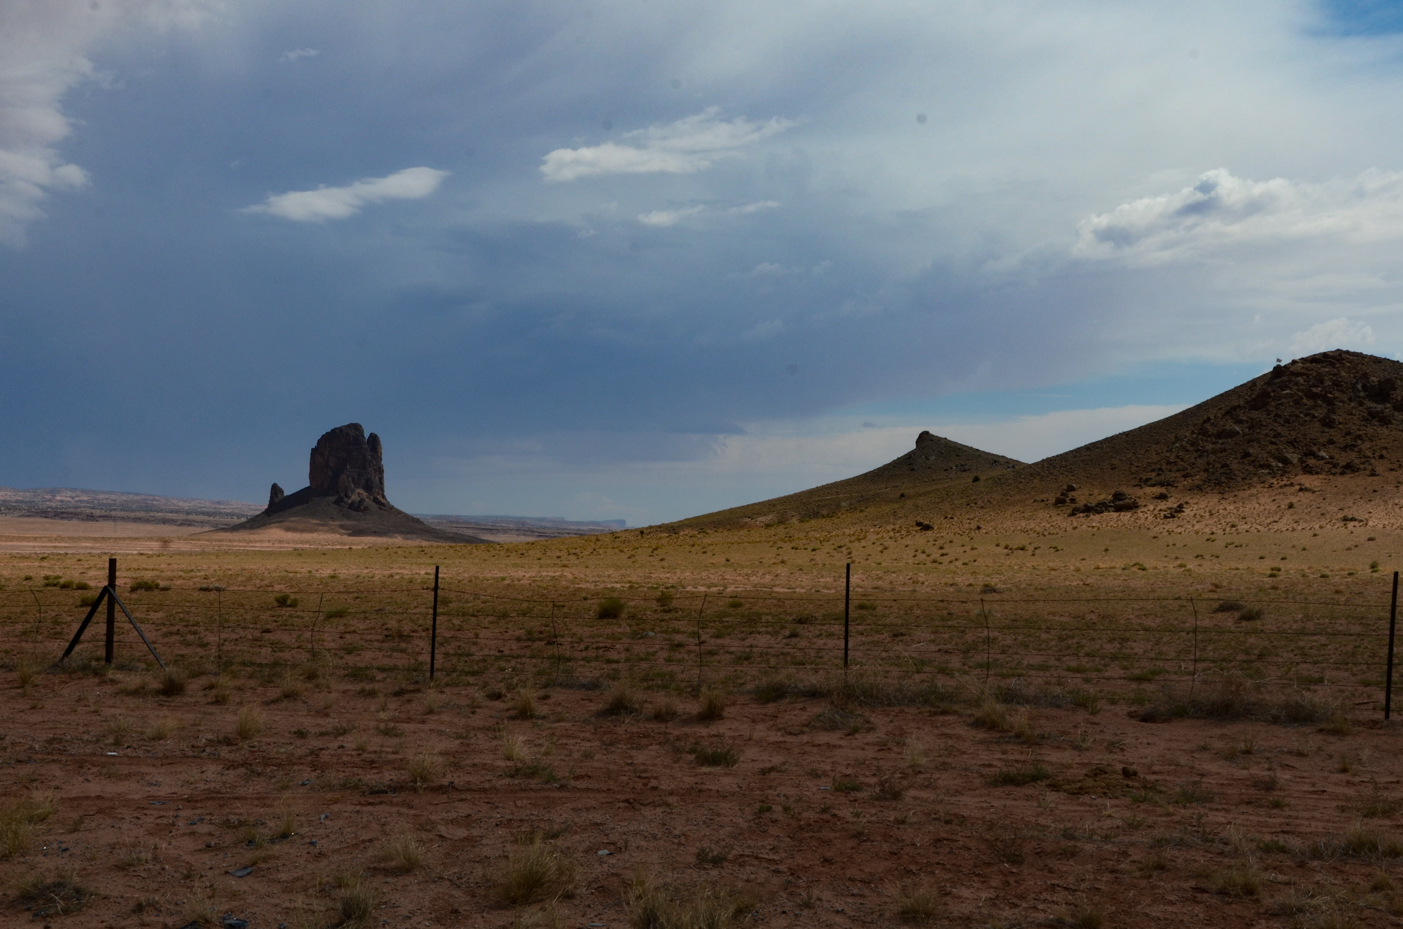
(345,494)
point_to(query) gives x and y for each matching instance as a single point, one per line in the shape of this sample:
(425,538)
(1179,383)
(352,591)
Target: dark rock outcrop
(349,466)
(1119,502)
(345,493)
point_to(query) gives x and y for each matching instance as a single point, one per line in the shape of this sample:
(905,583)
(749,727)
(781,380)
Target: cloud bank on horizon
(649,260)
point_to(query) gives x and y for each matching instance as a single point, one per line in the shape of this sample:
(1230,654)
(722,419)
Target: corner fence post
(110,647)
(847,603)
(433,631)
(1392,625)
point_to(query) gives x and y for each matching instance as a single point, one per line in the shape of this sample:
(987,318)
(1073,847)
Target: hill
(935,462)
(1330,424)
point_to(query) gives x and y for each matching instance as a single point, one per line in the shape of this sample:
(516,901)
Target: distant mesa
(345,494)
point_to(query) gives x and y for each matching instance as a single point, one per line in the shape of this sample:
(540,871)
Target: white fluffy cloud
(44,49)
(316,206)
(686,146)
(297,53)
(1222,210)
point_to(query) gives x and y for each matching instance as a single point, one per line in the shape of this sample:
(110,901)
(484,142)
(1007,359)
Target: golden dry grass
(249,723)
(535,871)
(19,818)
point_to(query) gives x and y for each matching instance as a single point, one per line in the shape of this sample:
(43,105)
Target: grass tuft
(18,818)
(58,896)
(713,706)
(161,730)
(524,706)
(838,718)
(249,723)
(173,683)
(918,905)
(715,757)
(356,903)
(403,853)
(655,904)
(535,871)
(1020,775)
(621,701)
(1238,879)
(424,769)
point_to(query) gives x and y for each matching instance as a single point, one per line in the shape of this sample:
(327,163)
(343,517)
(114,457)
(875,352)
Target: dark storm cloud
(593,241)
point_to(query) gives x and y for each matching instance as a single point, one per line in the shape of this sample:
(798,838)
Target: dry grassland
(666,762)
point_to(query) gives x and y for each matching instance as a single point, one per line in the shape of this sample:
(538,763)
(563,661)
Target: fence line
(738,636)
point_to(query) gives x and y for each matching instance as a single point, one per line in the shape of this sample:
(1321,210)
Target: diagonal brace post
(102,595)
(149,646)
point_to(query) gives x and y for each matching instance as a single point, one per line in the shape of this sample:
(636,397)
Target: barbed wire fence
(470,631)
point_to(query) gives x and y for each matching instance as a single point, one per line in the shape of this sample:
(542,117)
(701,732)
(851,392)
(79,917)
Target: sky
(643,259)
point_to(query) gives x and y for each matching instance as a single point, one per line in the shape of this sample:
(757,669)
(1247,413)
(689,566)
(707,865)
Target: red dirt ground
(151,826)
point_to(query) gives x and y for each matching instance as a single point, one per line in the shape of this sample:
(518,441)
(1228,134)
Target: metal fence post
(111,611)
(847,603)
(701,609)
(1392,625)
(1193,681)
(433,633)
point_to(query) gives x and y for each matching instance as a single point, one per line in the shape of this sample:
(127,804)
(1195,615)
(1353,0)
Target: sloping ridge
(1335,413)
(935,461)
(307,512)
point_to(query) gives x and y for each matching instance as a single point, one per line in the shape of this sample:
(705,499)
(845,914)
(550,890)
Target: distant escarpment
(345,494)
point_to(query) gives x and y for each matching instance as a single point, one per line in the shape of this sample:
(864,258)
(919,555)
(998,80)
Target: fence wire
(1119,647)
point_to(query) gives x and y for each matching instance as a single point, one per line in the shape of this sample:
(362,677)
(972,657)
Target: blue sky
(647,259)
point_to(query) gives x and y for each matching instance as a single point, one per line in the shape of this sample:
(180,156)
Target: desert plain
(1045,721)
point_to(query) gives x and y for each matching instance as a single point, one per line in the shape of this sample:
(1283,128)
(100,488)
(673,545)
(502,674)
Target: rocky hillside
(1335,413)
